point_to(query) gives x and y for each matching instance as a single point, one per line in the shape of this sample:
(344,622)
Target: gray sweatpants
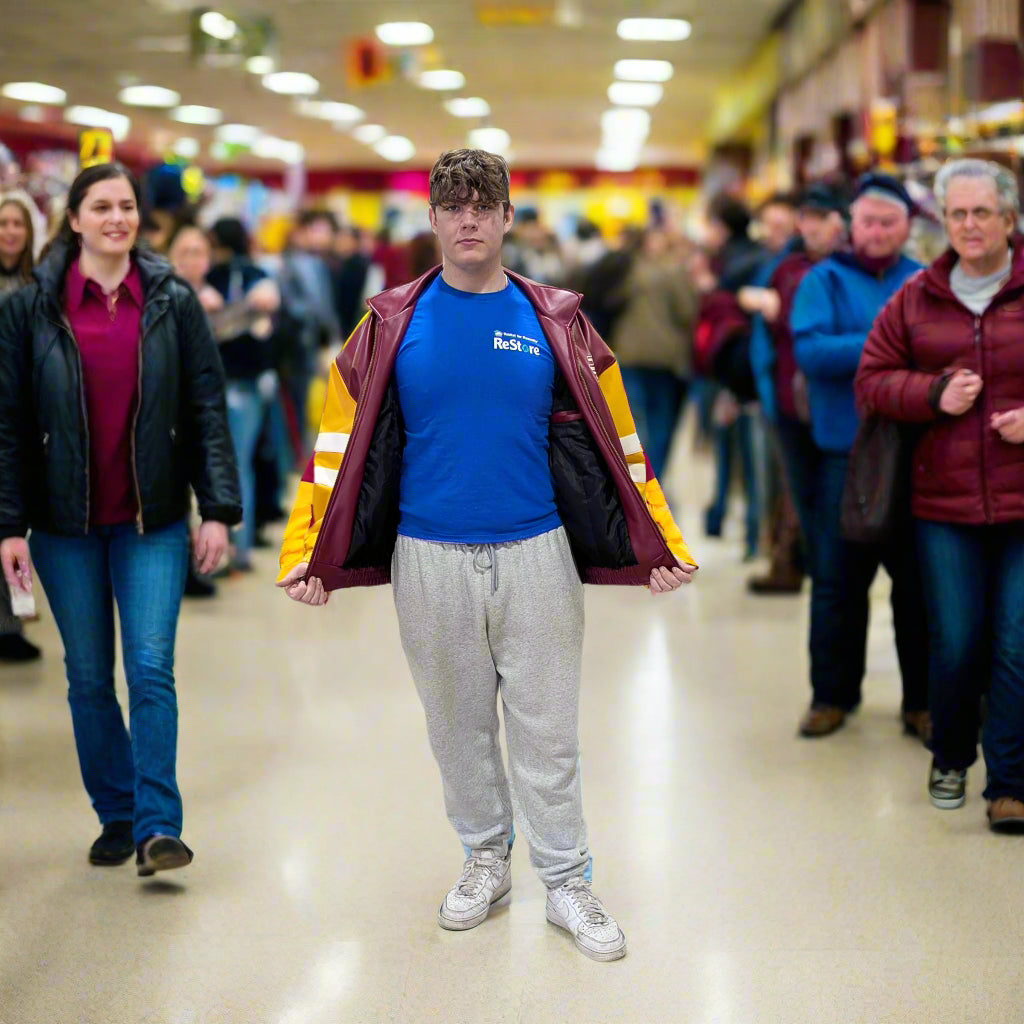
(479,620)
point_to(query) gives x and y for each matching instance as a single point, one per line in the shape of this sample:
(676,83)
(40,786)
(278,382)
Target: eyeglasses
(456,211)
(980,214)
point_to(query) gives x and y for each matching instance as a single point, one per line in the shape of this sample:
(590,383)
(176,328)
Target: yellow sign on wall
(95,146)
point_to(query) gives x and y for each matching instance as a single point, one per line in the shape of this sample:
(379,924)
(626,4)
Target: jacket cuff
(935,392)
(229,515)
(8,530)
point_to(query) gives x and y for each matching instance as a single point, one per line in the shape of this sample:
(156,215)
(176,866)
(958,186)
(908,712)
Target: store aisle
(759,878)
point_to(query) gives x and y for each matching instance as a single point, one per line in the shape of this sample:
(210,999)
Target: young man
(477,451)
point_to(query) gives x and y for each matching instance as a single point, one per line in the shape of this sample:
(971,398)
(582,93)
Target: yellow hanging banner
(95,146)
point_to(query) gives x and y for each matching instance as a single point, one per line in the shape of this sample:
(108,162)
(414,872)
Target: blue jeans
(655,399)
(974,583)
(724,439)
(801,459)
(842,576)
(246,413)
(128,778)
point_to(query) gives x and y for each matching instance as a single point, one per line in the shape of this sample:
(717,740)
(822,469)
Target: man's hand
(305,592)
(663,581)
(1010,425)
(17,565)
(765,301)
(208,546)
(960,393)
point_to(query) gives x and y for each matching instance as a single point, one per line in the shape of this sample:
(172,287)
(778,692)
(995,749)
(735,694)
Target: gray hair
(1002,180)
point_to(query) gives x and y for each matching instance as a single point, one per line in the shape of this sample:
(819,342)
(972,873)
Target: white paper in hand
(23,604)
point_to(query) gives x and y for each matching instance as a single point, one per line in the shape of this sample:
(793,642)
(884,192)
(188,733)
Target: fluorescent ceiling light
(213,23)
(186,148)
(148,96)
(493,140)
(291,83)
(260,65)
(368,134)
(267,147)
(220,151)
(635,94)
(468,106)
(35,92)
(666,30)
(95,117)
(616,159)
(197,115)
(626,122)
(396,148)
(405,33)
(340,113)
(237,134)
(442,79)
(643,70)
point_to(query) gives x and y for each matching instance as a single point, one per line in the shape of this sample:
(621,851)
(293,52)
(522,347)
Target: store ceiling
(546,83)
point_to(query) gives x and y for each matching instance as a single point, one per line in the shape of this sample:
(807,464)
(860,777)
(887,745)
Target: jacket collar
(936,277)
(559,304)
(50,274)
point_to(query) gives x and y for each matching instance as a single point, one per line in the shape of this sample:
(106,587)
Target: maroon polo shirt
(786,279)
(108,341)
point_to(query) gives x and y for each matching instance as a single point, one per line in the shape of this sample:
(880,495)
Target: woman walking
(111,406)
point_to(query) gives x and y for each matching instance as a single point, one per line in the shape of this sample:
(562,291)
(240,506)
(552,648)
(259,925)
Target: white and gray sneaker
(574,907)
(486,877)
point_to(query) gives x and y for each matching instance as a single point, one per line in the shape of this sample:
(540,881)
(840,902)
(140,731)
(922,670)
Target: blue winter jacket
(762,348)
(833,311)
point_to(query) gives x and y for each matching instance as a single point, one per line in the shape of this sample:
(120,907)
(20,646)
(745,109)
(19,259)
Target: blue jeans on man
(129,776)
(974,584)
(843,572)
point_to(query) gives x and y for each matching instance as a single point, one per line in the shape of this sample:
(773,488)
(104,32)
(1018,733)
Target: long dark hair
(77,193)
(27,260)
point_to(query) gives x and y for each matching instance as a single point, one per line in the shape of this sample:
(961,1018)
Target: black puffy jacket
(180,436)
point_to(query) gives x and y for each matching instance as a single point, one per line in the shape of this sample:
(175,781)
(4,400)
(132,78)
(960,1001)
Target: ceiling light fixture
(635,94)
(340,113)
(35,92)
(148,96)
(186,148)
(192,114)
(260,65)
(267,147)
(467,106)
(396,148)
(291,83)
(442,80)
(643,70)
(663,30)
(405,33)
(368,134)
(626,122)
(237,134)
(96,117)
(493,140)
(618,159)
(214,24)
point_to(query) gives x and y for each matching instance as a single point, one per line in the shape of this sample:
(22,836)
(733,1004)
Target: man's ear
(510,216)
(433,219)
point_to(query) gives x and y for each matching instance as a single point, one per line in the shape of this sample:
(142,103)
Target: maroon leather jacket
(963,471)
(614,536)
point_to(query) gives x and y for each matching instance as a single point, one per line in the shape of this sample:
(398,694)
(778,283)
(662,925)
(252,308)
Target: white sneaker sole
(464,924)
(601,955)
(947,803)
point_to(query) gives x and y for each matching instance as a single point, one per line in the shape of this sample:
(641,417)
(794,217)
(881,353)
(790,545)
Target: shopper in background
(947,354)
(782,390)
(243,329)
(835,305)
(17,243)
(653,343)
(106,329)
(351,278)
(493,554)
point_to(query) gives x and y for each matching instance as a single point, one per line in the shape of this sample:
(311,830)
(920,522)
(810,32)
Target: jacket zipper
(615,447)
(66,325)
(135,424)
(360,410)
(981,421)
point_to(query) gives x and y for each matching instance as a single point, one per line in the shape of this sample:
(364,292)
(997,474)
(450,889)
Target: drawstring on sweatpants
(492,564)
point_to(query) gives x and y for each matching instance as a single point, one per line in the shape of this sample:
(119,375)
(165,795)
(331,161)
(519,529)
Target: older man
(833,311)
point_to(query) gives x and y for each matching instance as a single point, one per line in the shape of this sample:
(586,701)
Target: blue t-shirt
(475,380)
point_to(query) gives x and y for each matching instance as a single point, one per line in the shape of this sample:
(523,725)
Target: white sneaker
(574,907)
(486,877)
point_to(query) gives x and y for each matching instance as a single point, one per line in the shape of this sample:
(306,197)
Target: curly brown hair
(459,173)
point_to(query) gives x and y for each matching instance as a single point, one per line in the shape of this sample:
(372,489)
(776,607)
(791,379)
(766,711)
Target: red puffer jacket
(963,471)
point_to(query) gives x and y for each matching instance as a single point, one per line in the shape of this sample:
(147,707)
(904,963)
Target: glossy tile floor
(758,877)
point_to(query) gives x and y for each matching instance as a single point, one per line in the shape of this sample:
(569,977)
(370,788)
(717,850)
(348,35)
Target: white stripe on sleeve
(630,444)
(638,471)
(325,477)
(335,443)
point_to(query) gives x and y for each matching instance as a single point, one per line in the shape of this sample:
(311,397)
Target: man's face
(879,228)
(978,230)
(470,232)
(821,231)
(778,222)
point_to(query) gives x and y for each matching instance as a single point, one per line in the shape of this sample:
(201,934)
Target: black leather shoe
(114,846)
(197,586)
(15,648)
(161,853)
